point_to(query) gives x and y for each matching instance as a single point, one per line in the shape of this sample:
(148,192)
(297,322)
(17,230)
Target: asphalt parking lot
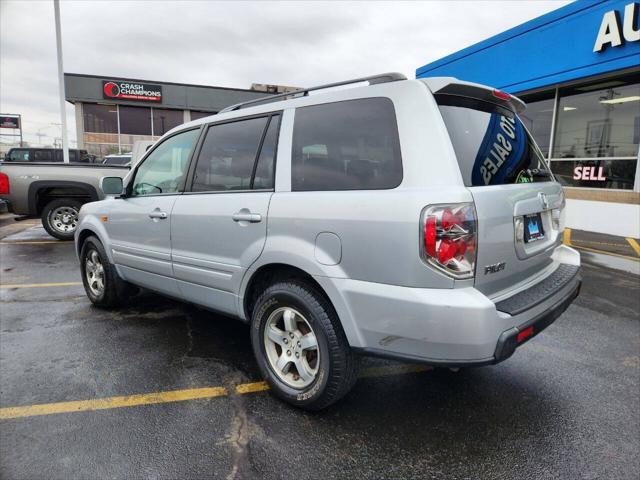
(166,390)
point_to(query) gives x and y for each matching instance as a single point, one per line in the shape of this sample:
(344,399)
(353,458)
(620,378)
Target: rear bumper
(450,327)
(510,339)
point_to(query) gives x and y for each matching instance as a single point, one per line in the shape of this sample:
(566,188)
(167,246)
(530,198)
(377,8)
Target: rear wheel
(300,346)
(60,218)
(102,284)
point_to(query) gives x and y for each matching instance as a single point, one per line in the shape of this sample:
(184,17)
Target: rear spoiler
(453,86)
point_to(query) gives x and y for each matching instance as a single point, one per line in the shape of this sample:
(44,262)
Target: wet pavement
(566,405)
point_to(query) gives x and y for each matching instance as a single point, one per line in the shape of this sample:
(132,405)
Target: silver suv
(406,219)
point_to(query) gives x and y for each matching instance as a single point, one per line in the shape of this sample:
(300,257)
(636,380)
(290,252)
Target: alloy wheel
(94,272)
(292,347)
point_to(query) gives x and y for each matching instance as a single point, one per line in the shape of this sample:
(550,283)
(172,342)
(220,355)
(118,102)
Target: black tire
(116,291)
(337,369)
(49,222)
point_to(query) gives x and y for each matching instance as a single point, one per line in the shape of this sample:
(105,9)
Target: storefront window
(618,174)
(100,118)
(165,119)
(538,118)
(600,120)
(594,122)
(195,114)
(135,120)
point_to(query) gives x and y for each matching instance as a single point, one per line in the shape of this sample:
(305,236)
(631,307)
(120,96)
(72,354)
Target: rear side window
(351,145)
(231,155)
(43,155)
(491,144)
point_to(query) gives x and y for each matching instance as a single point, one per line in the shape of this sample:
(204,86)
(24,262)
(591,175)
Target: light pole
(63,110)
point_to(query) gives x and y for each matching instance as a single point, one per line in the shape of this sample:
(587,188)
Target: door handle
(157,214)
(245,215)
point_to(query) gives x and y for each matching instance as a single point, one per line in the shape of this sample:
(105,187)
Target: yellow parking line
(566,237)
(172,396)
(634,245)
(42,285)
(112,402)
(605,252)
(251,387)
(36,242)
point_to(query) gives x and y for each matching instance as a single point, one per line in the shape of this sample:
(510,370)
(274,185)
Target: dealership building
(578,70)
(113,113)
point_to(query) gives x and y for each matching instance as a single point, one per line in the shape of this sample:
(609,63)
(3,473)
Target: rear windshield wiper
(538,173)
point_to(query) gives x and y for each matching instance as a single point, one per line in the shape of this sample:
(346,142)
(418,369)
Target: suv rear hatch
(518,203)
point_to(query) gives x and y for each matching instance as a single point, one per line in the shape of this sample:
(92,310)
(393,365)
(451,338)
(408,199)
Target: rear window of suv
(491,144)
(350,145)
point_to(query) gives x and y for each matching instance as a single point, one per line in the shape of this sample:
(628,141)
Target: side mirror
(111,185)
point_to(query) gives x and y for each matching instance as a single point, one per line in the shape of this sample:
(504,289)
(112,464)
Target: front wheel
(102,284)
(60,218)
(300,346)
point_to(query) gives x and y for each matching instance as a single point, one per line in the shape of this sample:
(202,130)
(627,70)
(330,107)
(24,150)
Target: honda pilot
(405,219)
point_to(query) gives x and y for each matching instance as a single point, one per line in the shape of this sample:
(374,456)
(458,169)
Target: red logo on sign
(111,89)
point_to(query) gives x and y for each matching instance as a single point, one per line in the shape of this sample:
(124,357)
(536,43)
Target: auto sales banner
(133,91)
(501,154)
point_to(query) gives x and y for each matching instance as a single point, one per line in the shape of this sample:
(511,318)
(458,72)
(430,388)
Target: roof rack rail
(303,92)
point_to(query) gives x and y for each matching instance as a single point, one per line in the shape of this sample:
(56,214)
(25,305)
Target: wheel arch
(266,273)
(42,192)
(87,229)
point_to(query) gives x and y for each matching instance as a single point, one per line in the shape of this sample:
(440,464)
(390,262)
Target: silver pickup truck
(53,191)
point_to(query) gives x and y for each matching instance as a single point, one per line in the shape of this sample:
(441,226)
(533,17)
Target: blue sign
(585,38)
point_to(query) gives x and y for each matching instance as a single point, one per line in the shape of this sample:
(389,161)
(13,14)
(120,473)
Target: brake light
(4,184)
(501,95)
(448,239)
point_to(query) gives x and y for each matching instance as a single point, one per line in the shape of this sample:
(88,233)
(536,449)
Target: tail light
(4,184)
(448,238)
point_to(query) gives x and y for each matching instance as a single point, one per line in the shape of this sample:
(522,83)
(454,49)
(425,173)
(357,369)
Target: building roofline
(110,77)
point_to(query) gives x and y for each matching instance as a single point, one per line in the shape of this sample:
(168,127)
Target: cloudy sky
(230,43)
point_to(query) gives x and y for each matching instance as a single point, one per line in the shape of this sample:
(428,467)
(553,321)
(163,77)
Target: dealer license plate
(533,230)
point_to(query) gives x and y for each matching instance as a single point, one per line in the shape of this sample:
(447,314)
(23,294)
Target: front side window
(350,145)
(228,156)
(164,168)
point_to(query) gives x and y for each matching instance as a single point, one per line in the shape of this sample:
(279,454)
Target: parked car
(30,154)
(117,159)
(406,219)
(53,191)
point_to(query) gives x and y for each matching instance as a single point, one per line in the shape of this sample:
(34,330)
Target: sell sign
(9,121)
(133,91)
(589,173)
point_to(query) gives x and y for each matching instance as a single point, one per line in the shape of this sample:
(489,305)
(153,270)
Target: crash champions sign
(132,91)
